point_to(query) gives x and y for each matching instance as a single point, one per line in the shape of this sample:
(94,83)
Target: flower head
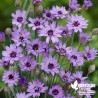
(51,31)
(36,23)
(2,36)
(11,77)
(84,38)
(87,3)
(50,65)
(35,47)
(56,91)
(21,95)
(90,53)
(19,18)
(77,23)
(12,53)
(35,88)
(27,63)
(73,4)
(59,12)
(20,36)
(36,1)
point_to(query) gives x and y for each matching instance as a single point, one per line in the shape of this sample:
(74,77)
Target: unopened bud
(6,90)
(31,11)
(95,31)
(36,71)
(91,68)
(68,87)
(8,31)
(39,9)
(45,78)
(2,36)
(18,3)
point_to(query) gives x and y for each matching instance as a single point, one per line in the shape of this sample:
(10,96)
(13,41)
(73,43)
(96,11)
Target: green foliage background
(8,6)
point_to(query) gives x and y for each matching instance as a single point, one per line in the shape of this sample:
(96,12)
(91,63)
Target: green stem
(12,90)
(24,5)
(72,39)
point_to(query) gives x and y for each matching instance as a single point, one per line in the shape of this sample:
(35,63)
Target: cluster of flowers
(21,58)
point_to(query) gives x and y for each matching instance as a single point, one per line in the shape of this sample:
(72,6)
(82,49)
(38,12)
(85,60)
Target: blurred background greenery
(7,7)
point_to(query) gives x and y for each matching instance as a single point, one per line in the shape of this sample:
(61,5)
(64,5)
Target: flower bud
(18,3)
(6,90)
(2,36)
(68,87)
(45,78)
(39,9)
(95,31)
(31,11)
(8,31)
(36,71)
(91,68)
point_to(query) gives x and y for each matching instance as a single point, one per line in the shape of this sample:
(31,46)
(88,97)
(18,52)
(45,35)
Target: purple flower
(77,23)
(21,95)
(90,53)
(36,1)
(35,88)
(10,77)
(76,58)
(23,81)
(59,12)
(69,96)
(12,53)
(73,4)
(56,91)
(27,63)
(84,38)
(36,23)
(87,3)
(35,47)
(20,36)
(62,49)
(50,65)
(2,36)
(47,15)
(51,31)
(66,32)
(78,76)
(65,76)
(19,18)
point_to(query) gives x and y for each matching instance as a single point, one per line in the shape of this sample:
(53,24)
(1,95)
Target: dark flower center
(11,76)
(79,80)
(74,56)
(37,89)
(50,66)
(48,14)
(55,92)
(35,47)
(21,38)
(76,23)
(59,12)
(50,32)
(64,32)
(28,64)
(20,19)
(37,23)
(88,55)
(13,54)
(6,63)
(62,50)
(23,81)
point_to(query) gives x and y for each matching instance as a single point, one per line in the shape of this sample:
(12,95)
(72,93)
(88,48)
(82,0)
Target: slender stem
(72,39)
(24,5)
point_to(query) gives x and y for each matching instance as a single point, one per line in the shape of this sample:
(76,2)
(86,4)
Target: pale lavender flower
(10,77)
(78,76)
(84,38)
(20,36)
(12,53)
(87,3)
(59,12)
(62,49)
(65,76)
(51,31)
(76,58)
(35,47)
(21,95)
(19,18)
(36,23)
(77,23)
(73,4)
(90,53)
(66,32)
(27,63)
(35,88)
(50,65)
(47,15)
(36,1)
(56,91)
(69,96)
(2,36)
